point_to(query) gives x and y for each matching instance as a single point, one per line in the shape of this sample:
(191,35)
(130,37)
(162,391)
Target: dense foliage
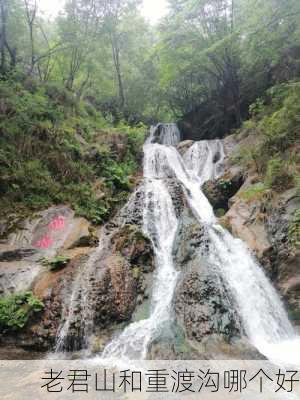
(75,89)
(218,56)
(274,127)
(55,149)
(16,309)
(209,58)
(272,148)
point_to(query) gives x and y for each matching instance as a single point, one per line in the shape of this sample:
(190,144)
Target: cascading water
(264,318)
(205,159)
(166,134)
(262,314)
(80,302)
(160,224)
(258,305)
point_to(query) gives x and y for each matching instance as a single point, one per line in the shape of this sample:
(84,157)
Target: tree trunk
(116,59)
(3,36)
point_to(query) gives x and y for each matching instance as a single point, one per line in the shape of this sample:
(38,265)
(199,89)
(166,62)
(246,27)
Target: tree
(5,47)
(115,11)
(31,13)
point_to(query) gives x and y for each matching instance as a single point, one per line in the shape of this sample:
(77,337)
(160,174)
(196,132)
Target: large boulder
(262,219)
(220,191)
(46,234)
(202,304)
(183,146)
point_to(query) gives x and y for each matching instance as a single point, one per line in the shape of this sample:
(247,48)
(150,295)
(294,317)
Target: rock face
(261,218)
(203,307)
(111,283)
(107,282)
(182,147)
(45,235)
(219,192)
(111,276)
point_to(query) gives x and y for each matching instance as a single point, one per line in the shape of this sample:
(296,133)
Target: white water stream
(259,307)
(160,224)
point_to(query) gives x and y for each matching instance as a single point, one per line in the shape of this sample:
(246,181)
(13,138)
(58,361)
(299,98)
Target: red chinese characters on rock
(56,224)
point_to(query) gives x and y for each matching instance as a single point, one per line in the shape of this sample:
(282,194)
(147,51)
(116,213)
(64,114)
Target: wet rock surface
(203,307)
(119,284)
(220,192)
(183,146)
(114,286)
(262,220)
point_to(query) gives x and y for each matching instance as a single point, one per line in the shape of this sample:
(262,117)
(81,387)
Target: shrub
(294,230)
(43,156)
(278,176)
(56,263)
(275,124)
(255,192)
(16,309)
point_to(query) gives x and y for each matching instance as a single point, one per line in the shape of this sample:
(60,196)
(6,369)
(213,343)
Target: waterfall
(166,134)
(160,224)
(261,311)
(80,304)
(258,305)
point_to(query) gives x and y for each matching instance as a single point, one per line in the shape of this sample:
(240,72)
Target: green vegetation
(294,230)
(275,127)
(17,309)
(256,191)
(278,176)
(77,91)
(273,131)
(51,152)
(56,263)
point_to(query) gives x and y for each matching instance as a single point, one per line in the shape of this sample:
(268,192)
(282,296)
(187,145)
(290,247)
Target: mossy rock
(57,263)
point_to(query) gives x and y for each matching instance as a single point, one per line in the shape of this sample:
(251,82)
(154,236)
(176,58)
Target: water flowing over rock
(213,295)
(167,279)
(255,301)
(202,304)
(106,290)
(166,134)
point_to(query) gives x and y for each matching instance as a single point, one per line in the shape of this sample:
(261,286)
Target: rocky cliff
(93,281)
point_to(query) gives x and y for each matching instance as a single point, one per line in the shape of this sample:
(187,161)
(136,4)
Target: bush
(16,309)
(281,126)
(45,136)
(278,176)
(275,126)
(294,230)
(255,192)
(57,263)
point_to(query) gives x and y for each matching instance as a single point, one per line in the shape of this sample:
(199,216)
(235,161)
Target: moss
(220,212)
(278,176)
(57,263)
(17,309)
(275,126)
(294,230)
(254,192)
